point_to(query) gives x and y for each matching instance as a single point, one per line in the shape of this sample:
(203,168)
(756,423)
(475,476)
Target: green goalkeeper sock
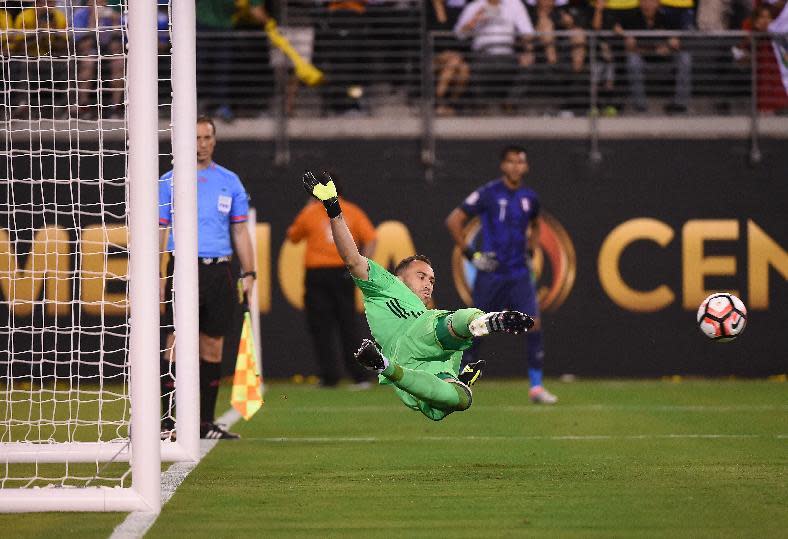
(459,321)
(462,318)
(429,388)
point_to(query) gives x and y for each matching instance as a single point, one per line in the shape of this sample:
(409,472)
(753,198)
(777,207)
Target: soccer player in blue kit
(509,215)
(222,206)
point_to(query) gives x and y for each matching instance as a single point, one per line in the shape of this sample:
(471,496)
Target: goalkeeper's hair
(405,262)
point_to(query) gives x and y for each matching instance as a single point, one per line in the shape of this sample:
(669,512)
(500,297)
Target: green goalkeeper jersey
(402,326)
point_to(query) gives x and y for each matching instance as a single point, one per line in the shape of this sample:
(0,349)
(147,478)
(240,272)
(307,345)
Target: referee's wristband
(252,274)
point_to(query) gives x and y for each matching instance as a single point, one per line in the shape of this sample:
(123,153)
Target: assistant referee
(222,207)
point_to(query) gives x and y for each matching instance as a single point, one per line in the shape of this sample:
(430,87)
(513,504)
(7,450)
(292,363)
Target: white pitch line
(530,408)
(137,524)
(591,437)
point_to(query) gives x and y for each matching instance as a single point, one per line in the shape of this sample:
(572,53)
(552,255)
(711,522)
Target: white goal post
(86,403)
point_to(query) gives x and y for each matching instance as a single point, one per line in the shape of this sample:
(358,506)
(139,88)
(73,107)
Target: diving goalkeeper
(421,348)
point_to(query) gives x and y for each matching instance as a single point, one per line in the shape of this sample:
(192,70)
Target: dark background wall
(672,181)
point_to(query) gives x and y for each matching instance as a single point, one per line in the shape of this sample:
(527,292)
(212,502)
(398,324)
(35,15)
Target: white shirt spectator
(558,3)
(493,25)
(780,43)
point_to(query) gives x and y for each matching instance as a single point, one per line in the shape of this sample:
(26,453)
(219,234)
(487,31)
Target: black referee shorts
(218,298)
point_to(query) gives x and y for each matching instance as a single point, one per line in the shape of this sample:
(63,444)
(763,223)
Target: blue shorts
(493,292)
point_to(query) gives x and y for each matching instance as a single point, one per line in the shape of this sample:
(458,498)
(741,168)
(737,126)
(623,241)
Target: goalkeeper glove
(323,190)
(481,261)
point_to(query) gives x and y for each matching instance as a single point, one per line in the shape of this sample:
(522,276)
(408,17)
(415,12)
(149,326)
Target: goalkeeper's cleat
(368,356)
(513,322)
(472,372)
(539,395)
(212,431)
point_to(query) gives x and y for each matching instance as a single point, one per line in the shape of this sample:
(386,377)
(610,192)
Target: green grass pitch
(612,459)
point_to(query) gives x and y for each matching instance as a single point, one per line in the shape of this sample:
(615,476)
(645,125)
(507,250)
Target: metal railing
(716,74)
(386,65)
(399,71)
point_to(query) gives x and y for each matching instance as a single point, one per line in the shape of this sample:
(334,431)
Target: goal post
(185,279)
(143,188)
(79,259)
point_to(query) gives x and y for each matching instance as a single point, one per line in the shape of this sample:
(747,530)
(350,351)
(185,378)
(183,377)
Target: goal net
(75,247)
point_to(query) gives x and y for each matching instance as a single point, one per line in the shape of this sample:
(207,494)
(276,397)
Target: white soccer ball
(722,317)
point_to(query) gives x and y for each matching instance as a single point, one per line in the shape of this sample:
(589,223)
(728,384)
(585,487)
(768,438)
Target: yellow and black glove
(324,190)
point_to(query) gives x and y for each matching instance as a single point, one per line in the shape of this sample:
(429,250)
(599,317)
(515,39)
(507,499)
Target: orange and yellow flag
(246,396)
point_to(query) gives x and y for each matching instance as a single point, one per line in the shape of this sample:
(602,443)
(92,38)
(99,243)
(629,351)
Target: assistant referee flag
(246,396)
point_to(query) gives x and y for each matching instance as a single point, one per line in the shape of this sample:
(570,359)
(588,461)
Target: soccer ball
(722,317)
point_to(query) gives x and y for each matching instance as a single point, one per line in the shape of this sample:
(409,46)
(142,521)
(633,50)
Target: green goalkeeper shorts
(419,349)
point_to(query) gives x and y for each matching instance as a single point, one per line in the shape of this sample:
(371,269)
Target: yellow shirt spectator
(622,4)
(686,4)
(43,31)
(5,24)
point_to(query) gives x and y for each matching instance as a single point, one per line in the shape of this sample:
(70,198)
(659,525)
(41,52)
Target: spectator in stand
(771,93)
(396,28)
(608,15)
(329,292)
(546,17)
(493,26)
(571,20)
(97,34)
(5,24)
(727,80)
(215,19)
(779,30)
(657,52)
(451,70)
(779,27)
(720,15)
(342,51)
(680,14)
(33,23)
(5,51)
(256,59)
(559,69)
(41,32)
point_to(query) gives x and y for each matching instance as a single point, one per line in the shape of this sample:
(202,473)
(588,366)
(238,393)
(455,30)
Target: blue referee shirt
(504,214)
(221,200)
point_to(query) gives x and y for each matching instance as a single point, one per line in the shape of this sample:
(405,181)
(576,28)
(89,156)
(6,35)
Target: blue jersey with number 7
(505,215)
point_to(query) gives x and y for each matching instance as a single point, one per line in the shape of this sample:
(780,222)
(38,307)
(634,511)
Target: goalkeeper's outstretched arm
(324,190)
